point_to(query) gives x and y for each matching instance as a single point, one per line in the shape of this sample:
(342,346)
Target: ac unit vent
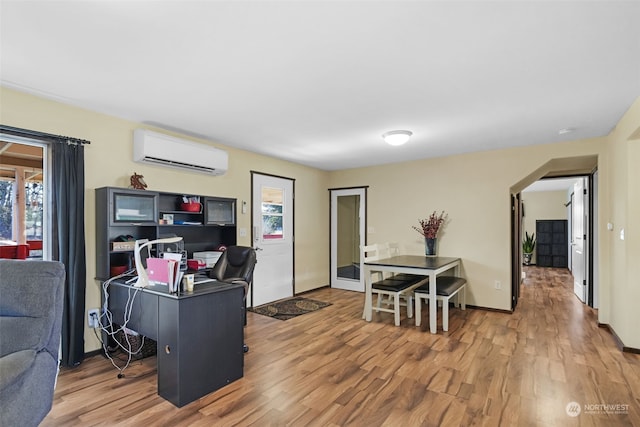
(164,150)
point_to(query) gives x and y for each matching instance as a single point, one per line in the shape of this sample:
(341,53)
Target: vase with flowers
(429,229)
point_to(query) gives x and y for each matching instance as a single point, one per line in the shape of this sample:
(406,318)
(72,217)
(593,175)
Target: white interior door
(272,233)
(578,245)
(347,235)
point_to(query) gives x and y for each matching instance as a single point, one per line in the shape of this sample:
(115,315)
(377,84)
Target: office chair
(236,265)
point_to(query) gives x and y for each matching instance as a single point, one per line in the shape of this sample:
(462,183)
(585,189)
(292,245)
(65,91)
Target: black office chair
(236,265)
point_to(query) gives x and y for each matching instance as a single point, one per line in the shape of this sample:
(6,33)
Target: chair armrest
(14,365)
(238,280)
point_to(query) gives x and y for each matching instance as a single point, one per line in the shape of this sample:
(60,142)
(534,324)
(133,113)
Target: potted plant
(429,229)
(528,244)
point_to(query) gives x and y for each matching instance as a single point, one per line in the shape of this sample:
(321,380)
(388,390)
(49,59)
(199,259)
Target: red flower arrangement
(429,227)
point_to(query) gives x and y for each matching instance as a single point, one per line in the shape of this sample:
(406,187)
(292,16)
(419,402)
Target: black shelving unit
(141,214)
(552,243)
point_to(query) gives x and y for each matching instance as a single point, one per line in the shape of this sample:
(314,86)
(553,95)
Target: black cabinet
(204,222)
(220,211)
(551,243)
(132,207)
(199,335)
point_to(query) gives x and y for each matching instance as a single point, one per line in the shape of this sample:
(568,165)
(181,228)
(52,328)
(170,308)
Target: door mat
(289,308)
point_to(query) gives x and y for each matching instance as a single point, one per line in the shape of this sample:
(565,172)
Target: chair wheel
(245,348)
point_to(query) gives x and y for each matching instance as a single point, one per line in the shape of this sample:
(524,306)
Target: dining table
(430,266)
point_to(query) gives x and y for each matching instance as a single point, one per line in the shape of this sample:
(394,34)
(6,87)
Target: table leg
(367,294)
(433,305)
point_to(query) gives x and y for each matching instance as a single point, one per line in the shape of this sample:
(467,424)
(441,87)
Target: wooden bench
(446,288)
(395,288)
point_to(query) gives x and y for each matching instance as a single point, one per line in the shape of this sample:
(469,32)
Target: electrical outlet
(92,317)
(498,285)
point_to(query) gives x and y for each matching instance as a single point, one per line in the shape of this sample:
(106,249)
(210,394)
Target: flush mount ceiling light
(397,137)
(566,130)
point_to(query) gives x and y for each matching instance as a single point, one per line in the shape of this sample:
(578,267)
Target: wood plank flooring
(331,368)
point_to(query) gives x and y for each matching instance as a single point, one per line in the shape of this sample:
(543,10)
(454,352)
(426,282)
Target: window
(272,213)
(34,192)
(6,208)
(22,195)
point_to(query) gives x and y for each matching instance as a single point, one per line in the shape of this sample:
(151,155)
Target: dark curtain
(68,243)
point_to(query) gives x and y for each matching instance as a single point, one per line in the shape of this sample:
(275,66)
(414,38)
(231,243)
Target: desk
(411,264)
(199,334)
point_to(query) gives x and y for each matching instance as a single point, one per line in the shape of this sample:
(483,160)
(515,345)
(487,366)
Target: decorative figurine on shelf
(137,182)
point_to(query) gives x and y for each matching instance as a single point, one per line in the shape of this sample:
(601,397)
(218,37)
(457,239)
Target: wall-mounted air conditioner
(159,149)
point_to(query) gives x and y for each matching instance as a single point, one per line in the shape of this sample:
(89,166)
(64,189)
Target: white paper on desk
(172,255)
(176,275)
(178,283)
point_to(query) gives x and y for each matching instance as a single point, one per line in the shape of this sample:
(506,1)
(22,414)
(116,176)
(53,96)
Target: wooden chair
(446,288)
(393,287)
(369,253)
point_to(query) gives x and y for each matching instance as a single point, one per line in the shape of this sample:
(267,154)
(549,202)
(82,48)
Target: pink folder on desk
(159,270)
(164,271)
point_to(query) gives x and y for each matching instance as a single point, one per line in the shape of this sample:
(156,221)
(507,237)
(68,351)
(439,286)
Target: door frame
(516,248)
(590,247)
(585,218)
(293,226)
(592,243)
(362,192)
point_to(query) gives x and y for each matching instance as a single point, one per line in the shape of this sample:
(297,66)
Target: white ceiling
(318,83)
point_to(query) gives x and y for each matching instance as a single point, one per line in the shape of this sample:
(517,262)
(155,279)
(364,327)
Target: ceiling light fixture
(397,137)
(565,131)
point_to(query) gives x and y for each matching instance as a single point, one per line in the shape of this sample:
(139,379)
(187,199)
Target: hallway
(582,361)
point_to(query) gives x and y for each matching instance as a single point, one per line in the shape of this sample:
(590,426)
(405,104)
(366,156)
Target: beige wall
(623,292)
(542,205)
(108,163)
(474,189)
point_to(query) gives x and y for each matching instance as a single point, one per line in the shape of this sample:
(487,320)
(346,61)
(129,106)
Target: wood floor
(331,368)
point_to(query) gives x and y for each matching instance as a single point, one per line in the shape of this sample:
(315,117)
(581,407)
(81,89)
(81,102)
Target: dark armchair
(236,265)
(31,303)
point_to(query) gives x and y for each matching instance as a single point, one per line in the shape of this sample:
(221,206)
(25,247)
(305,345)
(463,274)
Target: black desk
(199,334)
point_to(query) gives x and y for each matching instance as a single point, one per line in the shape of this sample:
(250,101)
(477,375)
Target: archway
(554,168)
